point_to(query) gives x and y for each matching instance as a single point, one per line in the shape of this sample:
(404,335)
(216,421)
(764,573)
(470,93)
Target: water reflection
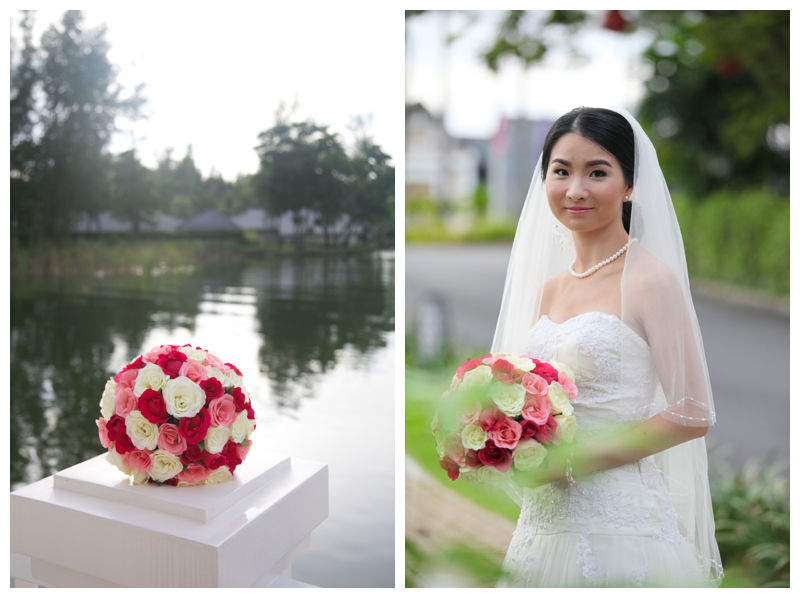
(291,318)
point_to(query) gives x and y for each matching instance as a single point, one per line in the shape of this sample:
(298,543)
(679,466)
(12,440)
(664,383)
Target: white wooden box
(89,526)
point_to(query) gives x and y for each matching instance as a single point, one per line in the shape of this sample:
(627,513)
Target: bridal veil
(656,304)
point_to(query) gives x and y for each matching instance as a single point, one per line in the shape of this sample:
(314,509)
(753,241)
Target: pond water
(314,338)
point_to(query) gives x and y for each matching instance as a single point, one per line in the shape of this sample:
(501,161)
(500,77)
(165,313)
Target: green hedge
(741,239)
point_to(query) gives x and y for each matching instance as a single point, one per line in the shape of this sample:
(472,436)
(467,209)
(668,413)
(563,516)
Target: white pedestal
(88,526)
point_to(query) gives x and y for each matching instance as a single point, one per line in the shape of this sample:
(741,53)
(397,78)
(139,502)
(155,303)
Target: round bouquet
(500,414)
(177,416)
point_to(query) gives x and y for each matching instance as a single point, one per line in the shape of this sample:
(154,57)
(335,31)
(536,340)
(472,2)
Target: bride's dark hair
(608,129)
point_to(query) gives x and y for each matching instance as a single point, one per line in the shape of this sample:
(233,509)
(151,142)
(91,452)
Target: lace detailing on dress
(612,527)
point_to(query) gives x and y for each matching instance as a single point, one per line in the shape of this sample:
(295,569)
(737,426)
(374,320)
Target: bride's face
(585,185)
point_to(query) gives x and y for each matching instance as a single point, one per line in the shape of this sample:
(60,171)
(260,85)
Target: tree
(370,202)
(132,191)
(303,172)
(62,139)
(717,103)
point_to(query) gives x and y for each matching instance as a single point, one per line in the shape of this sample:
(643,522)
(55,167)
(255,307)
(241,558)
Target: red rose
(115,427)
(194,429)
(239,399)
(213,388)
(250,414)
(171,362)
(471,458)
(494,456)
(214,460)
(231,455)
(124,444)
(153,407)
(505,372)
(452,468)
(234,368)
(545,370)
(134,365)
(528,428)
(192,453)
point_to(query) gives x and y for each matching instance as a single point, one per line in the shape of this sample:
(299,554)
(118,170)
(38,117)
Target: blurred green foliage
(751,507)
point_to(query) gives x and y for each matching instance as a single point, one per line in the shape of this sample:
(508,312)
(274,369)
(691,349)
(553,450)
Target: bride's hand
(553,470)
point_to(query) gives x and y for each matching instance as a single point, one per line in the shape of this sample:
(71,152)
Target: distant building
(513,152)
(439,166)
(107,223)
(208,221)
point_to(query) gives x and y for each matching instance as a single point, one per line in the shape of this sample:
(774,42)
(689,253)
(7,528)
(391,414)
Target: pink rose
(534,384)
(127,379)
(454,449)
(491,419)
(568,385)
(222,411)
(170,440)
(468,366)
(452,468)
(505,372)
(102,431)
(193,474)
(215,362)
(243,450)
(126,401)
(194,371)
(546,433)
(153,354)
(507,435)
(138,460)
(470,414)
(537,408)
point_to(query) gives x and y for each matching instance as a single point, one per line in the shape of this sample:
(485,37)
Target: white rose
(165,466)
(509,398)
(455,382)
(239,428)
(115,459)
(559,399)
(470,474)
(521,363)
(528,454)
(563,367)
(567,426)
(473,437)
(217,438)
(493,477)
(476,378)
(150,376)
(108,402)
(197,355)
(144,435)
(251,426)
(236,380)
(219,476)
(140,477)
(183,397)
(215,373)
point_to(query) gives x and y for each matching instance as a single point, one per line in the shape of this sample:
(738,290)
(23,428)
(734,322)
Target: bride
(597,281)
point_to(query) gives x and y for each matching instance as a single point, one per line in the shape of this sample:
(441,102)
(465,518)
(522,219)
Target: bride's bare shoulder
(550,290)
(650,278)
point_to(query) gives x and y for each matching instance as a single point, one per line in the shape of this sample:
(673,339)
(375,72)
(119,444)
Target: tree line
(65,100)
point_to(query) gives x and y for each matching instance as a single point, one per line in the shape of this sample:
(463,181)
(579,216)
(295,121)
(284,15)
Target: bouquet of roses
(500,414)
(177,416)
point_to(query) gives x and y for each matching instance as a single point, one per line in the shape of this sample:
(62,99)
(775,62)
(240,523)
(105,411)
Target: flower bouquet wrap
(500,414)
(177,416)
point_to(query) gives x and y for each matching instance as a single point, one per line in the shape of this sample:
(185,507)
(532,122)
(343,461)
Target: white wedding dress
(612,528)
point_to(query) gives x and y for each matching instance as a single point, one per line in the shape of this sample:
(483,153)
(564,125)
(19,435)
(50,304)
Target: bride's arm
(642,440)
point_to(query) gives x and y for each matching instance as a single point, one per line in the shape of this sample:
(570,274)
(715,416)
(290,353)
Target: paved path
(747,349)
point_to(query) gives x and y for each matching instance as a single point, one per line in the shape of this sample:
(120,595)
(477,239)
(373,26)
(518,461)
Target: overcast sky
(214,78)
(453,77)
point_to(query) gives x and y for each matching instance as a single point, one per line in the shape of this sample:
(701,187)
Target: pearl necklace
(594,269)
